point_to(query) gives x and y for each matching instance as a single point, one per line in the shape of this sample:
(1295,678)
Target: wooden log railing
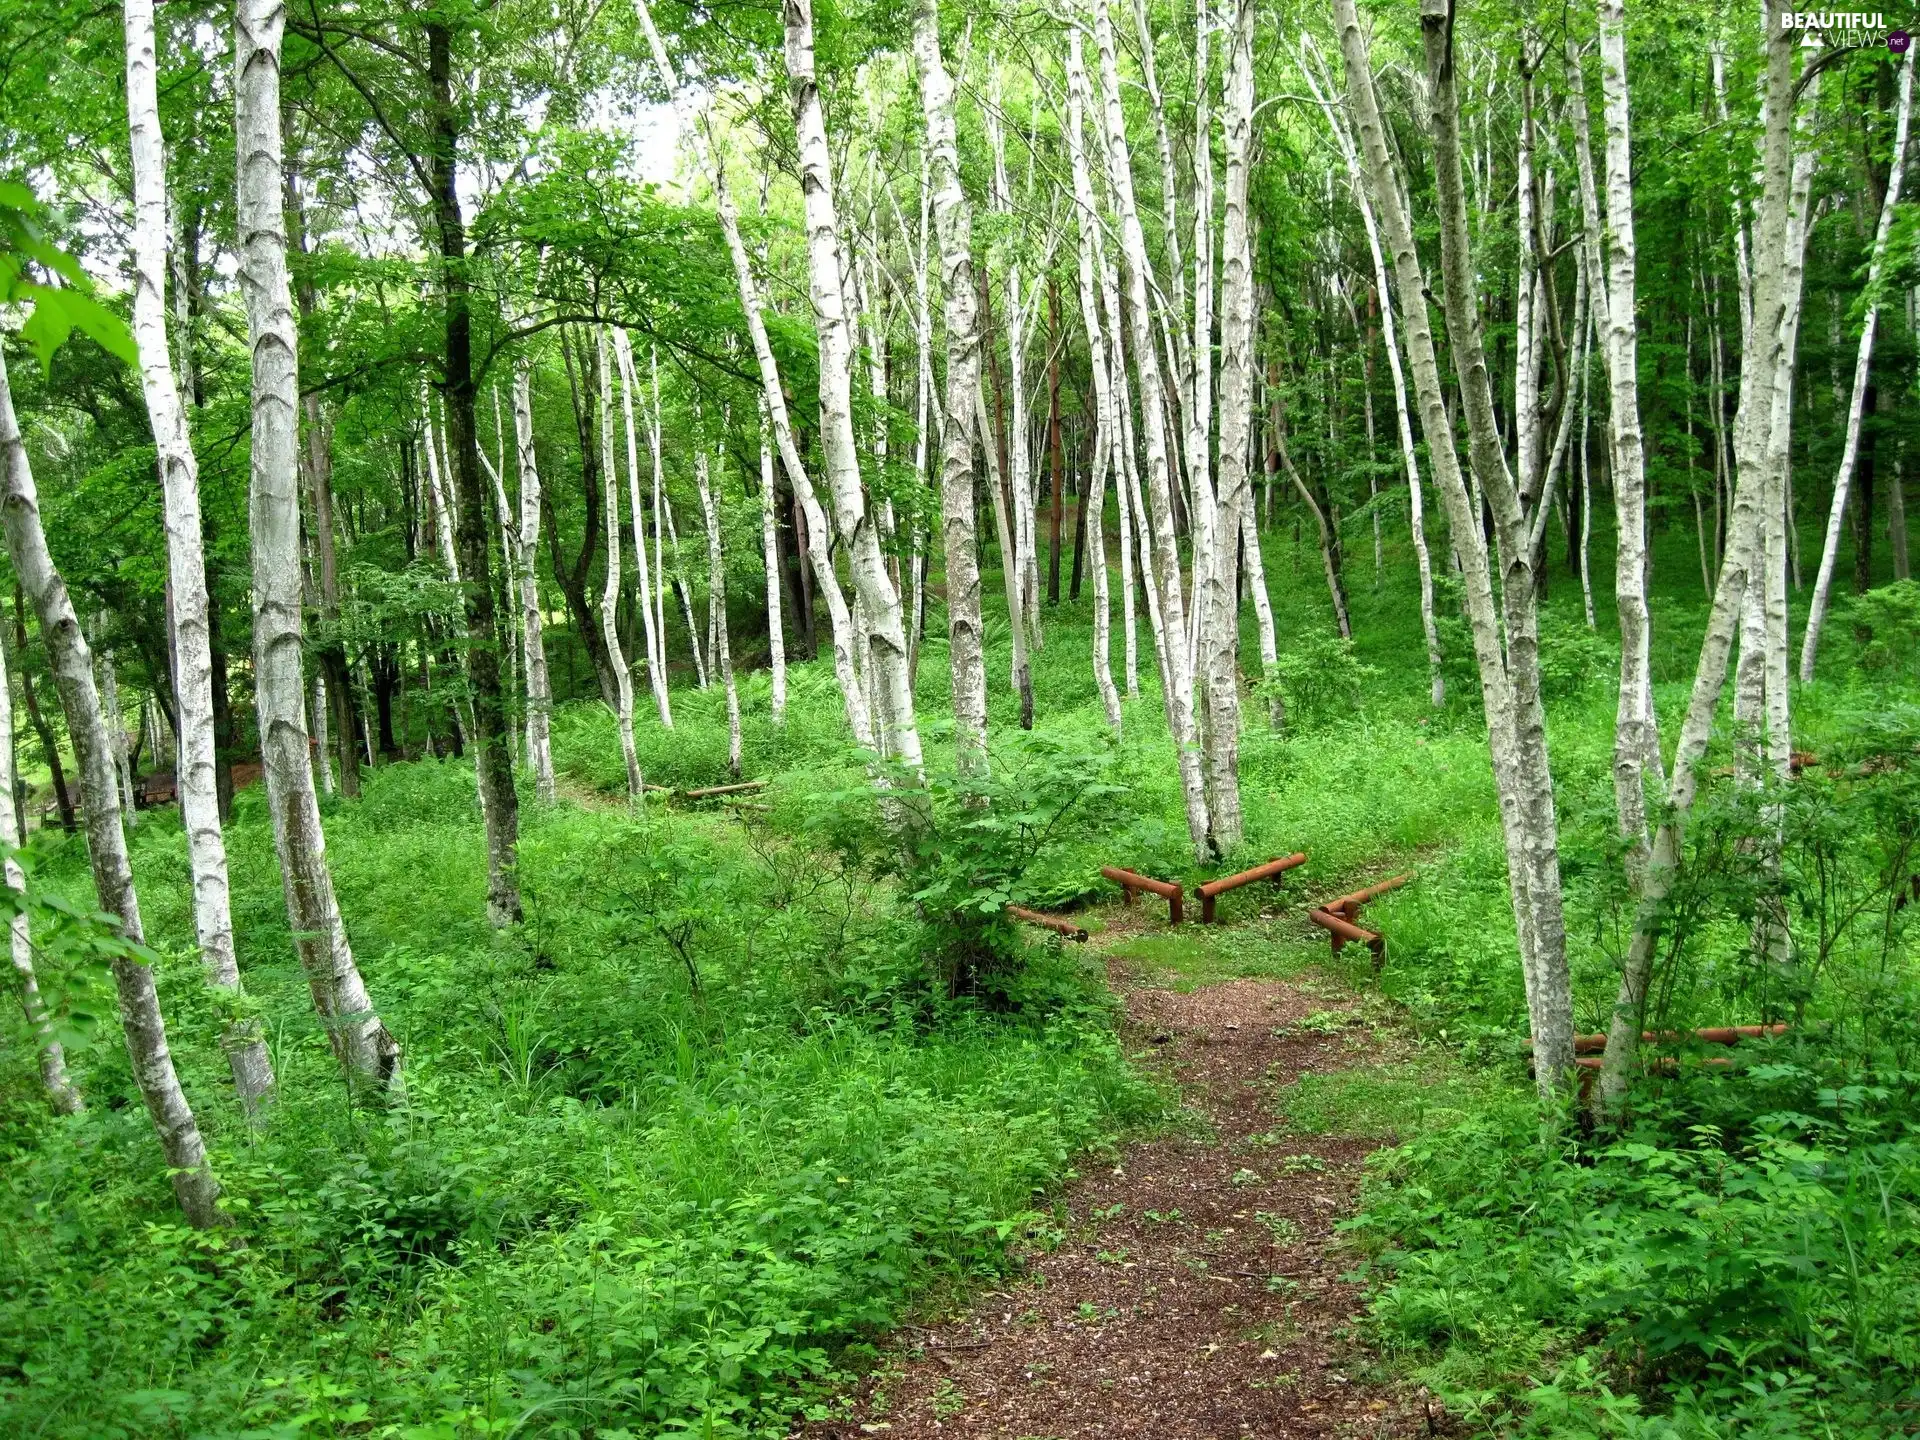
(1054,923)
(1272,870)
(1132,884)
(1338,918)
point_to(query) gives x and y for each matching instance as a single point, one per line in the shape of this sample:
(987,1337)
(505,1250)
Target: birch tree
(655,636)
(610,592)
(717,603)
(1636,738)
(186,561)
(1093,505)
(895,726)
(1133,245)
(1753,427)
(194,1185)
(1510,699)
(526,573)
(953,223)
(360,1042)
(771,391)
(1221,645)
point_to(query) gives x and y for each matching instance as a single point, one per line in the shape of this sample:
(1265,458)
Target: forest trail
(1196,1294)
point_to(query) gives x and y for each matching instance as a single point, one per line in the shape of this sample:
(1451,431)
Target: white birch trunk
(1221,642)
(1093,504)
(681,589)
(359,1040)
(1179,679)
(1416,499)
(116,737)
(1531,854)
(953,225)
(322,758)
(1753,427)
(655,637)
(1863,361)
(194,1185)
(610,591)
(526,573)
(717,604)
(770,552)
(894,724)
(772,395)
(186,561)
(1635,736)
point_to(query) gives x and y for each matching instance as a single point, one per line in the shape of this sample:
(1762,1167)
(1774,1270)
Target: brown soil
(1197,1294)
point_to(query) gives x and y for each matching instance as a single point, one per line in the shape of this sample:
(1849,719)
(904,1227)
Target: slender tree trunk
(1636,738)
(655,638)
(1753,426)
(116,736)
(993,444)
(493,752)
(770,551)
(180,483)
(1093,499)
(610,593)
(359,1040)
(953,224)
(1329,558)
(717,604)
(194,1185)
(1850,453)
(36,717)
(894,724)
(526,573)
(811,529)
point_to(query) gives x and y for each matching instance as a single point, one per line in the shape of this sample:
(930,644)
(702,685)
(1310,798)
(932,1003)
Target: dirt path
(1196,1293)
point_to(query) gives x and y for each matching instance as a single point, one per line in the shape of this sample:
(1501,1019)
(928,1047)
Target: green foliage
(56,309)
(609,1198)
(1886,627)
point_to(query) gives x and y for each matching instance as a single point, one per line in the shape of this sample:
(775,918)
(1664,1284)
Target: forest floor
(1193,1290)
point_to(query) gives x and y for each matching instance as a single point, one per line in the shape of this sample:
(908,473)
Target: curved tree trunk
(194,1185)
(655,638)
(895,726)
(717,604)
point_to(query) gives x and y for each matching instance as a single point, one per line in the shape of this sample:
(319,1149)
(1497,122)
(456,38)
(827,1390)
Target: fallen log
(1048,922)
(712,791)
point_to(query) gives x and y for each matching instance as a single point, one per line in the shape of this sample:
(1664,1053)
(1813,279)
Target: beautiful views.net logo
(1853,29)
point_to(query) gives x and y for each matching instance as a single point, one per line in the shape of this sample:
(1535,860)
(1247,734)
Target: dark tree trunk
(1056,450)
(383,668)
(573,578)
(1863,494)
(1081,521)
(472,533)
(36,717)
(800,574)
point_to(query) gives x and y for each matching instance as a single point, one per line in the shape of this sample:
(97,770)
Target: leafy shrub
(1321,681)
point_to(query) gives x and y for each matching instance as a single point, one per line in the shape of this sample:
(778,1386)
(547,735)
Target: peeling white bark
(359,1040)
(526,573)
(194,1185)
(186,560)
(610,591)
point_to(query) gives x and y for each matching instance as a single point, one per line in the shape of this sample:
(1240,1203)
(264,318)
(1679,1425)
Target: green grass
(674,1155)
